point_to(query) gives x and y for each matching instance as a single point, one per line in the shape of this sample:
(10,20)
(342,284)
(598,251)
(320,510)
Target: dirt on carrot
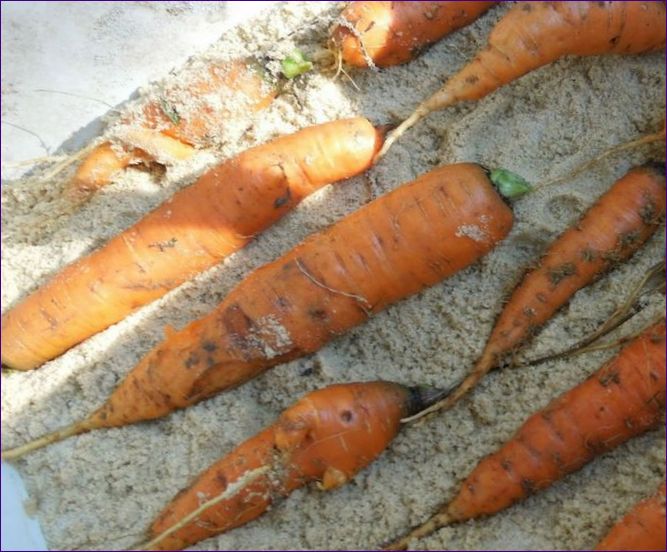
(103,489)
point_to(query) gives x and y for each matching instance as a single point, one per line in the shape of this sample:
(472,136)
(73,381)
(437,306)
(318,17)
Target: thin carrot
(391,33)
(181,120)
(328,436)
(393,247)
(192,231)
(623,399)
(534,34)
(642,528)
(610,231)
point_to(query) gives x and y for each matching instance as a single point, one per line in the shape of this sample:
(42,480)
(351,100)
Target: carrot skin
(613,229)
(642,528)
(328,436)
(236,81)
(623,399)
(391,33)
(393,247)
(195,229)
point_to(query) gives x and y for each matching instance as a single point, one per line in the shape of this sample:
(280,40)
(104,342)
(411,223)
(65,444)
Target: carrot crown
(510,185)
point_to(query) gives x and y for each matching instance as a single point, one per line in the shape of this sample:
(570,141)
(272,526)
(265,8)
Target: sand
(102,490)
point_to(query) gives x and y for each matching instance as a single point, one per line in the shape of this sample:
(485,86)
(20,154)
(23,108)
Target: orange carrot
(393,247)
(328,436)
(623,399)
(610,231)
(534,34)
(391,33)
(642,528)
(180,120)
(192,231)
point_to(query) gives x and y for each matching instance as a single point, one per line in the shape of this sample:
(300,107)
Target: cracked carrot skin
(328,436)
(393,247)
(392,33)
(194,230)
(623,399)
(612,230)
(642,528)
(177,135)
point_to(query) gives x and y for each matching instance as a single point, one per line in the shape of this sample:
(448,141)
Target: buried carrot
(623,399)
(393,247)
(642,528)
(194,230)
(534,34)
(328,437)
(391,33)
(182,119)
(611,231)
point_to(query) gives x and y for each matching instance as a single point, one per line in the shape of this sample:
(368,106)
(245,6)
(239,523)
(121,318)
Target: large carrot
(177,123)
(393,247)
(391,33)
(624,398)
(533,34)
(642,528)
(610,231)
(200,225)
(328,436)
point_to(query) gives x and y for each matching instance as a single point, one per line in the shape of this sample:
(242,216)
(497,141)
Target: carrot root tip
(48,439)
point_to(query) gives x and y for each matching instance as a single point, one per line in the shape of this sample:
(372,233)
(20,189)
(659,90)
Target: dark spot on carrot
(284,199)
(209,346)
(649,213)
(588,255)
(528,486)
(629,423)
(559,273)
(346,416)
(472,79)
(628,239)
(612,376)
(601,4)
(526,7)
(210,361)
(191,360)
(615,40)
(653,376)
(318,314)
(558,461)
(506,465)
(370,26)
(541,297)
(162,246)
(595,446)
(529,312)
(220,478)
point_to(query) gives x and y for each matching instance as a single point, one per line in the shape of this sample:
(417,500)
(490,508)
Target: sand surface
(102,490)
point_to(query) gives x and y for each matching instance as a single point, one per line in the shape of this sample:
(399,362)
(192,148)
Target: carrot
(608,233)
(534,34)
(195,229)
(393,247)
(391,33)
(623,399)
(181,120)
(328,436)
(642,528)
